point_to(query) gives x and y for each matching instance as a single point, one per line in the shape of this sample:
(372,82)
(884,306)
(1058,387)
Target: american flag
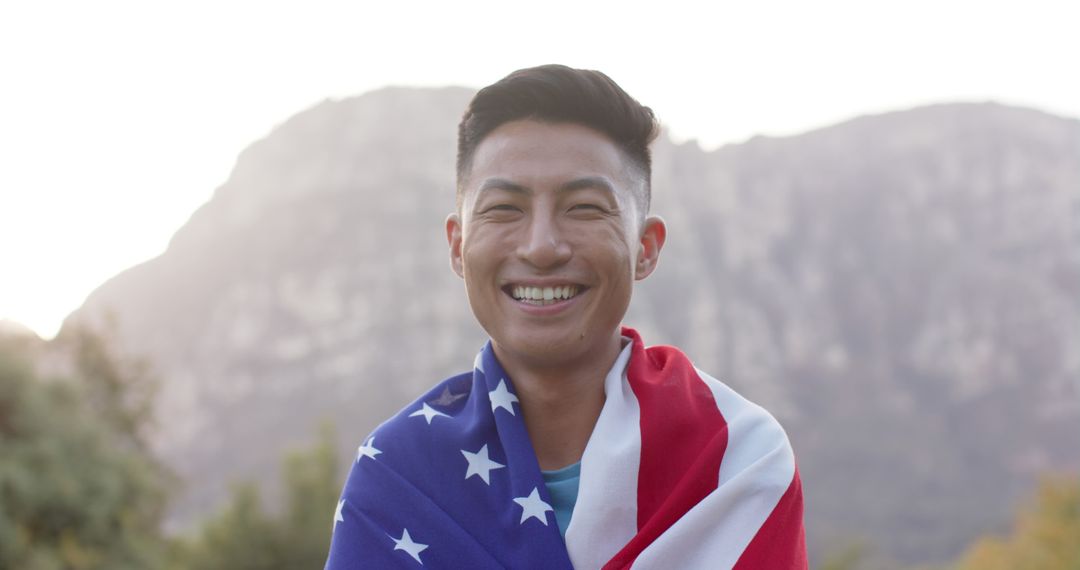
(679,472)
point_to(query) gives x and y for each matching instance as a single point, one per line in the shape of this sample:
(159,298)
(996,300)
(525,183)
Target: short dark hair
(560,94)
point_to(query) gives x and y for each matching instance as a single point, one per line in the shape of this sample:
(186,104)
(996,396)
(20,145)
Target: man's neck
(560,404)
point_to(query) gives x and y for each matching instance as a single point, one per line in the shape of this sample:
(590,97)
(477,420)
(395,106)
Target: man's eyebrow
(503,184)
(598,182)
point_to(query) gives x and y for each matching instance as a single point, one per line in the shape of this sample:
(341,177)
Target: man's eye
(502,208)
(587,207)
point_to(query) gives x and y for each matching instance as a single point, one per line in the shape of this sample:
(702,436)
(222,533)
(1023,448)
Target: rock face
(899,290)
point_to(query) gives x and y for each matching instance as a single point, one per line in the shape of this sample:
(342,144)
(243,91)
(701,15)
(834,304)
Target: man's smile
(543,294)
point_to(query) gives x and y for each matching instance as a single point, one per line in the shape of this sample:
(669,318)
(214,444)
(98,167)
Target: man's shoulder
(670,363)
(446,399)
(738,408)
(753,435)
(404,443)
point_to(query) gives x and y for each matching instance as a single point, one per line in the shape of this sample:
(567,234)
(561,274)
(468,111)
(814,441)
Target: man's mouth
(541,296)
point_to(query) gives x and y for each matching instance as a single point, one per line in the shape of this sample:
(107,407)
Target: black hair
(560,94)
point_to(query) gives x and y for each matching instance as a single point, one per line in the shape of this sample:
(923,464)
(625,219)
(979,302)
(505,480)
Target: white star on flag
(502,398)
(480,464)
(337,513)
(428,412)
(367,450)
(533,506)
(406,543)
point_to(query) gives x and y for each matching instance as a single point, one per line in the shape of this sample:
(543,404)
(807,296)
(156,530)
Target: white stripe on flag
(605,516)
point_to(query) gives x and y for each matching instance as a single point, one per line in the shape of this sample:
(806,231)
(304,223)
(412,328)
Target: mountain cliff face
(899,290)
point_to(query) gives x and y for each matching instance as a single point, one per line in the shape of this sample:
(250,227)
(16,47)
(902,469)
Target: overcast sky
(118,119)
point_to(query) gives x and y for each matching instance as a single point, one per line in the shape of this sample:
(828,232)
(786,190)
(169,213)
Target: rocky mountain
(900,290)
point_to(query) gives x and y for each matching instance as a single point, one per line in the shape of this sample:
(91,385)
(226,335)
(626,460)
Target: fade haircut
(561,94)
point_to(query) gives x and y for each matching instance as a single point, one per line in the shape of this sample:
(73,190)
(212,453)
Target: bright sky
(118,119)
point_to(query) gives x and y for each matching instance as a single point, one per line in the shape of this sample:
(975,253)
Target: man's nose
(544,244)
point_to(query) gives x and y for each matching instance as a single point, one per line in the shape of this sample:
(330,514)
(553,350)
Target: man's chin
(542,349)
(550,348)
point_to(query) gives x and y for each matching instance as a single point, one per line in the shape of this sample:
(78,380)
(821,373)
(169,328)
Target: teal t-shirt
(562,486)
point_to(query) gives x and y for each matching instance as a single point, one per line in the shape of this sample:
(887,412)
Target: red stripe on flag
(682,436)
(780,543)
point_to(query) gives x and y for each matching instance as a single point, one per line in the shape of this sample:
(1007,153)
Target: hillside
(900,290)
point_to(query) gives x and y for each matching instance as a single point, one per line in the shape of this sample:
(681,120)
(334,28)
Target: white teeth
(543,295)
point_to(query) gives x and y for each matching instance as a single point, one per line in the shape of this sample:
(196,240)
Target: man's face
(549,240)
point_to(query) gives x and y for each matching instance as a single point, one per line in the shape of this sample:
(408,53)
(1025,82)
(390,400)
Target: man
(570,444)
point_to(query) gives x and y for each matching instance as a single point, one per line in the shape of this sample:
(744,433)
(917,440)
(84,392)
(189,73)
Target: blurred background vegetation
(79,488)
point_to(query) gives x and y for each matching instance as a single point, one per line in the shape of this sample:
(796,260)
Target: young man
(570,444)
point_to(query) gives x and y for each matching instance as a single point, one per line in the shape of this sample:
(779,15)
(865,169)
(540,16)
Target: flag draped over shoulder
(679,472)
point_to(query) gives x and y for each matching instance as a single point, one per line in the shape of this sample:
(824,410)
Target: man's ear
(652,241)
(453,239)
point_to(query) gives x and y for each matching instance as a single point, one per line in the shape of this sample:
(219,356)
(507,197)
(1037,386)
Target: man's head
(560,94)
(551,227)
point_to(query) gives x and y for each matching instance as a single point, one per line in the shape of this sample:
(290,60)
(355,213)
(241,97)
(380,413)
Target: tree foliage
(848,558)
(247,536)
(1045,536)
(78,486)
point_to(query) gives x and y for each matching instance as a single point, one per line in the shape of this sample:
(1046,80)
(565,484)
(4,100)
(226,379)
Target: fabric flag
(679,472)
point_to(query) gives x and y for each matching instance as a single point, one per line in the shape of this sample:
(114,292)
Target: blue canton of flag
(452,481)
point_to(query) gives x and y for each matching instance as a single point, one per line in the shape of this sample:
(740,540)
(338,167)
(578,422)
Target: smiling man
(570,444)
